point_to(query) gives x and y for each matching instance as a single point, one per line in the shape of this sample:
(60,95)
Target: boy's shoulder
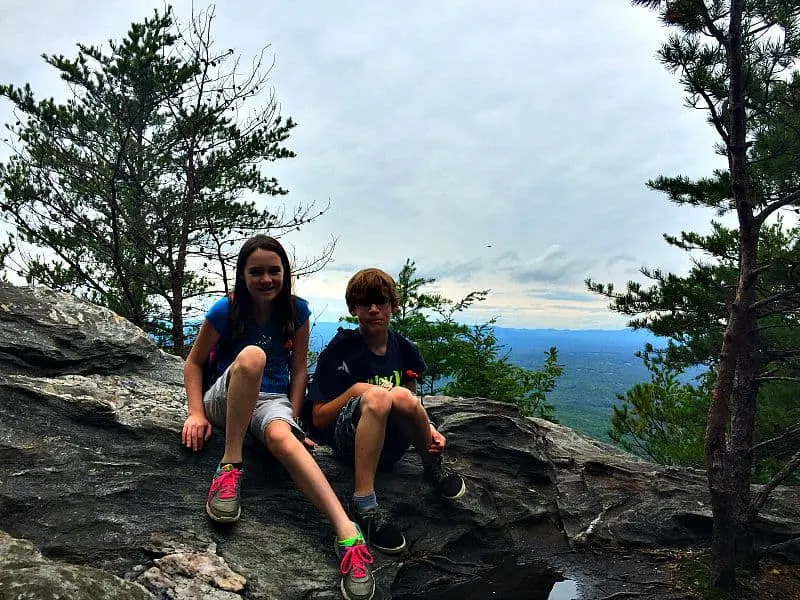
(400,338)
(404,343)
(344,340)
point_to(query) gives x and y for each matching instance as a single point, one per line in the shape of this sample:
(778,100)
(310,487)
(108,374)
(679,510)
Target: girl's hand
(196,432)
(307,441)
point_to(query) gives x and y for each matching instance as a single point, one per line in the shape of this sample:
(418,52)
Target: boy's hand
(196,432)
(438,442)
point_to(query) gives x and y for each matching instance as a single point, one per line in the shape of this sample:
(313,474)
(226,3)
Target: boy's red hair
(371,285)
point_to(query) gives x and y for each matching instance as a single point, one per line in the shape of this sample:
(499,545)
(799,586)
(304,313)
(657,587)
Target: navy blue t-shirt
(276,373)
(347,360)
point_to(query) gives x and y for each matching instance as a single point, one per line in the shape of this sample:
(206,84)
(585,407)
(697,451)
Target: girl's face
(263,275)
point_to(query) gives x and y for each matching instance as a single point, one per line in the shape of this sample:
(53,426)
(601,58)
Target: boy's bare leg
(414,420)
(375,406)
(412,417)
(245,381)
(307,476)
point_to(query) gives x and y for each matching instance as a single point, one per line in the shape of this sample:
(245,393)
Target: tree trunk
(729,464)
(177,318)
(723,498)
(742,427)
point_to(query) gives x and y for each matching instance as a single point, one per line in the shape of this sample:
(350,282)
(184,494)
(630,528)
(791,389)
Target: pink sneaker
(357,580)
(223,496)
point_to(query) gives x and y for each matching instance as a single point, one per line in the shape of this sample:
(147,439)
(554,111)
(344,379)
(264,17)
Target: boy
(364,401)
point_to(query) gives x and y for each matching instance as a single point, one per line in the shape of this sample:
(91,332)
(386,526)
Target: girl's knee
(279,437)
(250,361)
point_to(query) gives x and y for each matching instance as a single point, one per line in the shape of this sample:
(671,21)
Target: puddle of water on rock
(508,582)
(564,590)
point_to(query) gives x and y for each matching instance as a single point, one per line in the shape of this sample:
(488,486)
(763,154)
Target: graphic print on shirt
(383,380)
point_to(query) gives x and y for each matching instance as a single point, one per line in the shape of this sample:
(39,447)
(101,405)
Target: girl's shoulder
(302,310)
(217,315)
(223,303)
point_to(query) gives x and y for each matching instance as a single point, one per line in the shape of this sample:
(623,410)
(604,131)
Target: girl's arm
(298,370)
(193,367)
(196,428)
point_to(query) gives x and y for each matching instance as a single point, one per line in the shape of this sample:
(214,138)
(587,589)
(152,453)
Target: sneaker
(354,565)
(223,496)
(447,482)
(379,531)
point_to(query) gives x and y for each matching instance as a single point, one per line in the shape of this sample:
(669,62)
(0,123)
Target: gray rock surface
(25,573)
(93,475)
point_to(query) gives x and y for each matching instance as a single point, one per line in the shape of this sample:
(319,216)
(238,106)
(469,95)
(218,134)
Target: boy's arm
(325,413)
(331,388)
(414,365)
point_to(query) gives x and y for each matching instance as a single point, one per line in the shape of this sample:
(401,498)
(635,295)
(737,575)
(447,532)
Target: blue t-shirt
(276,374)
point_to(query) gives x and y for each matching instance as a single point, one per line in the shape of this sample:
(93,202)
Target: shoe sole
(460,493)
(390,551)
(218,519)
(346,597)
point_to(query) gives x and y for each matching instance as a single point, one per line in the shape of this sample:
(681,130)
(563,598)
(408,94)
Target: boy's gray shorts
(343,440)
(268,408)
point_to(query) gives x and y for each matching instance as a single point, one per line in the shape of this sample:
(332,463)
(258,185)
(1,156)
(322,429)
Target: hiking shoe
(447,482)
(378,530)
(223,496)
(354,565)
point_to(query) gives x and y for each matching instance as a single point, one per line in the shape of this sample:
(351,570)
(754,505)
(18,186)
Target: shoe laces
(226,482)
(378,517)
(439,472)
(355,560)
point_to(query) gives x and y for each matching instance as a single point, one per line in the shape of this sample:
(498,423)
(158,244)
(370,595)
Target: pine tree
(735,59)
(129,193)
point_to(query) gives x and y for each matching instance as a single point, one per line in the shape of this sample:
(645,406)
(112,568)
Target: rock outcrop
(93,477)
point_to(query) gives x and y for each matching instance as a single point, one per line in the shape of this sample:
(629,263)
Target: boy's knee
(377,401)
(404,402)
(250,361)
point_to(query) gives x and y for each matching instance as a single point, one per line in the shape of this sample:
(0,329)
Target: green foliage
(736,60)
(467,360)
(662,419)
(484,370)
(128,194)
(430,320)
(692,310)
(692,571)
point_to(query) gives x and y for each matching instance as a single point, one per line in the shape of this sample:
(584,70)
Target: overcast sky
(501,145)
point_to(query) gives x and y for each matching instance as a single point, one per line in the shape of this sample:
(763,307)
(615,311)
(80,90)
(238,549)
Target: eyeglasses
(378,302)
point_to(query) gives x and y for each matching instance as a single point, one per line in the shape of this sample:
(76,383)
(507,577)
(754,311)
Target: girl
(260,339)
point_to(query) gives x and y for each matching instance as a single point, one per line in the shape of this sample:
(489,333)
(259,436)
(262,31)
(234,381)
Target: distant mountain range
(598,365)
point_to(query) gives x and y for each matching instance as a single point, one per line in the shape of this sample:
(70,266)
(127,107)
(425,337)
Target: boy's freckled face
(373,317)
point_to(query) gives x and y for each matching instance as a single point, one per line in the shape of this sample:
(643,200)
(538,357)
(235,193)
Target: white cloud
(501,145)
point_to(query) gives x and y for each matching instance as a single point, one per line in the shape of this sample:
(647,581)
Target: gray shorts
(343,440)
(269,407)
